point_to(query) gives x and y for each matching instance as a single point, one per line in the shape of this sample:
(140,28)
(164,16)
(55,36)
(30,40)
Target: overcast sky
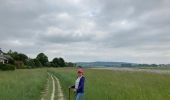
(88,30)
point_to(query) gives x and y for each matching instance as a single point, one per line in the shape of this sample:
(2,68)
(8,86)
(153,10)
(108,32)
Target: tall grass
(66,78)
(25,84)
(118,85)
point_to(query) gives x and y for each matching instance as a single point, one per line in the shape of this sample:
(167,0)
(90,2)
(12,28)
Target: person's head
(80,72)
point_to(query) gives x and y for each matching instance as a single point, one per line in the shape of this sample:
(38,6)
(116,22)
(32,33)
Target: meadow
(118,85)
(27,84)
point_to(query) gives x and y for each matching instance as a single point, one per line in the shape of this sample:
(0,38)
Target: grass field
(118,85)
(28,84)
(25,84)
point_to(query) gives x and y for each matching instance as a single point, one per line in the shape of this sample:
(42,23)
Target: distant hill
(105,64)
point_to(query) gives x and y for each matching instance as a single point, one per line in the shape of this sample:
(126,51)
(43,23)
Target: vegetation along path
(53,89)
(59,90)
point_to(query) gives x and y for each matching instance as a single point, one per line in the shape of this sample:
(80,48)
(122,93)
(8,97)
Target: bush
(5,67)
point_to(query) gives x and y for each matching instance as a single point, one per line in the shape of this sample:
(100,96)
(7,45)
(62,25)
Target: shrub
(5,67)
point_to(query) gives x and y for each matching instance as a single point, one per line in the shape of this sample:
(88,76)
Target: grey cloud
(68,38)
(110,26)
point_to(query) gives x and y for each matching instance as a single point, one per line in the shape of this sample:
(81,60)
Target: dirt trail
(59,90)
(53,91)
(55,85)
(139,70)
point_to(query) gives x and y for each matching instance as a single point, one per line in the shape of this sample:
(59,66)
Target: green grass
(25,84)
(65,78)
(118,85)
(49,91)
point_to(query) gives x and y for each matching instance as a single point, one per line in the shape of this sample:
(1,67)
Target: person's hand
(74,90)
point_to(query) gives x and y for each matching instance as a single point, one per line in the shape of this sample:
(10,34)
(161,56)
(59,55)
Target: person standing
(79,84)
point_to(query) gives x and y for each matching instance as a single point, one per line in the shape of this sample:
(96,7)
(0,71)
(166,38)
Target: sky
(88,30)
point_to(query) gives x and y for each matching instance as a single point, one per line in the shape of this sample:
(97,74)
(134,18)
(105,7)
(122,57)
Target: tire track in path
(53,90)
(56,89)
(59,89)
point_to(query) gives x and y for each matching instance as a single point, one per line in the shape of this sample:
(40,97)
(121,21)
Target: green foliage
(32,63)
(6,67)
(42,58)
(61,62)
(58,62)
(22,57)
(18,56)
(11,61)
(55,62)
(48,64)
(37,62)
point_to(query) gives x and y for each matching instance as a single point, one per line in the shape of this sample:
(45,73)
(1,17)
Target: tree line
(23,61)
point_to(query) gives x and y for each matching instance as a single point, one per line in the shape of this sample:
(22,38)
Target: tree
(55,62)
(61,62)
(30,63)
(42,58)
(17,56)
(48,64)
(22,57)
(58,62)
(37,63)
(33,63)
(14,55)
(11,61)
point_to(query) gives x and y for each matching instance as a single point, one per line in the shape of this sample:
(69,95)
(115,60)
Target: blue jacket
(81,85)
